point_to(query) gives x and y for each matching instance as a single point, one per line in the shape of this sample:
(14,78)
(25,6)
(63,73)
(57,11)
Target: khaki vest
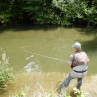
(80,58)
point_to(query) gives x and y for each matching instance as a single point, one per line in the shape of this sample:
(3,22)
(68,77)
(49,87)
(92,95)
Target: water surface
(22,42)
(37,53)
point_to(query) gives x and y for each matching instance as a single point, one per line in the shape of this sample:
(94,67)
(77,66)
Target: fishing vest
(80,58)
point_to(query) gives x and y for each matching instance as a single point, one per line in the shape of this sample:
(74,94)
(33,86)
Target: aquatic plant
(6,74)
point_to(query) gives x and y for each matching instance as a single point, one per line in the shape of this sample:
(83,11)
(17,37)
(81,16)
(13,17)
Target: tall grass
(42,85)
(6,74)
(50,93)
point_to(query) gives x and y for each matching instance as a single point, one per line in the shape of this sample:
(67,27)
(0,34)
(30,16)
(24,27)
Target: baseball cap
(77,45)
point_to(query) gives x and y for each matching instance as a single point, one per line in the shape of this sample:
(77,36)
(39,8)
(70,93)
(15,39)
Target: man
(78,62)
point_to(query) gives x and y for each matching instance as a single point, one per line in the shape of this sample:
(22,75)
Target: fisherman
(78,62)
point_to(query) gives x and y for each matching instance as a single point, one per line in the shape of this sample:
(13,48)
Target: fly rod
(47,56)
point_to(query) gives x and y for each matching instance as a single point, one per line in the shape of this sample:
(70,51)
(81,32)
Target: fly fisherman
(78,62)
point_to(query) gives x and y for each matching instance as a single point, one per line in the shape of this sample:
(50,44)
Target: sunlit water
(36,52)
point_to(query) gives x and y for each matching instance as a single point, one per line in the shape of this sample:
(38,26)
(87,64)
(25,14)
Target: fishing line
(47,56)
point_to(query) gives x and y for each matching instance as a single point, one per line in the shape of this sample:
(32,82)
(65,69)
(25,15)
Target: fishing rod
(47,56)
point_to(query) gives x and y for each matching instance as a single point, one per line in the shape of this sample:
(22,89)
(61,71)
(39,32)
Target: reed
(6,74)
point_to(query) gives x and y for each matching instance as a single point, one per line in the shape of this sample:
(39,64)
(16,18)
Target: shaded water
(43,49)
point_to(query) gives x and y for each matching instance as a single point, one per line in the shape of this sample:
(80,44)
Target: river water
(45,49)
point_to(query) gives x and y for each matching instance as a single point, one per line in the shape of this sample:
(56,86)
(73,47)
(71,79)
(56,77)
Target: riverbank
(34,83)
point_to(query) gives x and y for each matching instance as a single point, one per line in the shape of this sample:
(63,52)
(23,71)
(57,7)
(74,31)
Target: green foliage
(51,93)
(11,11)
(41,12)
(58,12)
(5,71)
(4,12)
(77,10)
(65,94)
(80,93)
(19,94)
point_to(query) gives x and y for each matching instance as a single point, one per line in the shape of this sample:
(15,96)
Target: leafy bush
(41,12)
(77,10)
(6,74)
(59,12)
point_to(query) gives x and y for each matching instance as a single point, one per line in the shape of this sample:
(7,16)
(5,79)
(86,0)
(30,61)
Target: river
(46,49)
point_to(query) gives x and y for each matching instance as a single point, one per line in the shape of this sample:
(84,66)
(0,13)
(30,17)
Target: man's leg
(79,82)
(64,84)
(66,81)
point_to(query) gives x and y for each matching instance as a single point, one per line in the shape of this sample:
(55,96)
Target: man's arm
(70,61)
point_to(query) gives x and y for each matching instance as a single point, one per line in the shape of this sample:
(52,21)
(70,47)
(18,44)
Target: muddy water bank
(39,81)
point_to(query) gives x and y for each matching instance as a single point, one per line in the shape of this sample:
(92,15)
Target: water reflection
(32,66)
(29,57)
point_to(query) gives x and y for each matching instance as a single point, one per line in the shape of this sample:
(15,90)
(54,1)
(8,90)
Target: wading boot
(63,92)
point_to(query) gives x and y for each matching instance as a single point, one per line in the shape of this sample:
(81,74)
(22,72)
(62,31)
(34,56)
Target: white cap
(77,45)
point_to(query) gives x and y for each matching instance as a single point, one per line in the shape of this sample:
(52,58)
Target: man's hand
(69,63)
